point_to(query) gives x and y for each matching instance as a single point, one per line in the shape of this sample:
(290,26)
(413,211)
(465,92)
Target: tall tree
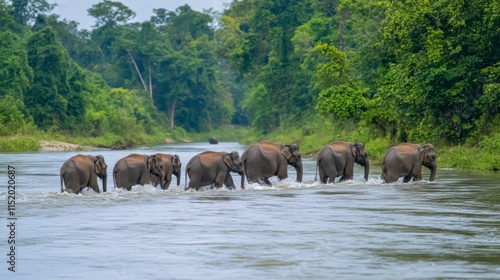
(110,13)
(25,11)
(47,95)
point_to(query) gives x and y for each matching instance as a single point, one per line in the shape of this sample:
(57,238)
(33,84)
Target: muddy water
(446,229)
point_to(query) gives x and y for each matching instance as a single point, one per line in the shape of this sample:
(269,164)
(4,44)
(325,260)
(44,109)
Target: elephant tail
(316,172)
(62,189)
(383,176)
(114,178)
(186,179)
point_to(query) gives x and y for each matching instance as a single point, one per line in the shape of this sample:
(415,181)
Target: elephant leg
(194,182)
(407,178)
(348,173)
(266,181)
(417,174)
(322,176)
(252,176)
(219,179)
(229,183)
(95,188)
(390,177)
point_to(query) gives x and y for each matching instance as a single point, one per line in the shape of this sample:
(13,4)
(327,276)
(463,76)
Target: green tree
(47,95)
(341,94)
(438,54)
(15,78)
(25,11)
(110,13)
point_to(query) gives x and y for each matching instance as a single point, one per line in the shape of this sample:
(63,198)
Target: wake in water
(119,194)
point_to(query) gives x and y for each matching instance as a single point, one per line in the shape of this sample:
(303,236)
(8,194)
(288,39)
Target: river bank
(482,157)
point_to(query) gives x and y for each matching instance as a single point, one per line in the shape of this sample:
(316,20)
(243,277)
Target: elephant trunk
(433,168)
(178,178)
(163,182)
(298,168)
(242,180)
(104,183)
(367,169)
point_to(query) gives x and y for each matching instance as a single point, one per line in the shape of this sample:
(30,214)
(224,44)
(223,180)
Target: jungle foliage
(384,71)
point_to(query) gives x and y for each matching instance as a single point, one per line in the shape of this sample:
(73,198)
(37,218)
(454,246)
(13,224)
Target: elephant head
(155,166)
(427,155)
(292,154)
(100,169)
(361,157)
(233,161)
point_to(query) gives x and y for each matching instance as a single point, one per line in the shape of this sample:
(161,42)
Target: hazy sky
(77,9)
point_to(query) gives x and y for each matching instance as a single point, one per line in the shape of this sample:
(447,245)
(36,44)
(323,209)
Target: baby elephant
(138,169)
(82,171)
(171,166)
(213,168)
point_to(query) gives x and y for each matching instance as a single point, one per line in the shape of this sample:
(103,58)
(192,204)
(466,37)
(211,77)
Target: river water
(446,229)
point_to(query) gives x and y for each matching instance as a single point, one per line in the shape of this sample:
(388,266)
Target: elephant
(136,169)
(406,160)
(210,167)
(171,165)
(338,158)
(265,159)
(213,140)
(81,171)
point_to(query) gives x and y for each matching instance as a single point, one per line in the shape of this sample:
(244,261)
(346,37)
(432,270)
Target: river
(446,229)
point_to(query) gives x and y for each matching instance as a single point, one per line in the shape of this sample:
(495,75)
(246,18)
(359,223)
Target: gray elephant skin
(265,159)
(337,159)
(137,169)
(171,166)
(81,171)
(210,167)
(406,160)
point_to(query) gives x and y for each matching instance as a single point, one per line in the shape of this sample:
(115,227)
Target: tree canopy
(408,71)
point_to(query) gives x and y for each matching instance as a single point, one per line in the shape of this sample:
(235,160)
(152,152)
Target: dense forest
(374,70)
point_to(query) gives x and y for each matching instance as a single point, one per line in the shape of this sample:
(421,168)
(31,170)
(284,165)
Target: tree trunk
(150,81)
(172,116)
(137,69)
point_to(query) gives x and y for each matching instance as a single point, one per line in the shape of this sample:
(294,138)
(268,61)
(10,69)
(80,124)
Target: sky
(77,9)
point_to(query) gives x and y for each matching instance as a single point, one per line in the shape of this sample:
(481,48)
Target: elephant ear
(227,160)
(287,152)
(354,150)
(422,153)
(357,148)
(176,161)
(152,163)
(98,164)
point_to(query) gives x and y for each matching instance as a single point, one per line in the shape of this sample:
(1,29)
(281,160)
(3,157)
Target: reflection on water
(448,228)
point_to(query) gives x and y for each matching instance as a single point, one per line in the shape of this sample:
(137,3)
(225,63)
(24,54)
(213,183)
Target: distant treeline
(421,71)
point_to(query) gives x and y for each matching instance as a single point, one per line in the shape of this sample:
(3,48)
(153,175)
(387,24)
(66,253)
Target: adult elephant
(136,169)
(171,166)
(338,158)
(406,160)
(209,168)
(265,159)
(81,171)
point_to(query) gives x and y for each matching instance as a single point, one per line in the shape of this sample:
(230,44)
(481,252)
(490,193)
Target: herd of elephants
(258,163)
